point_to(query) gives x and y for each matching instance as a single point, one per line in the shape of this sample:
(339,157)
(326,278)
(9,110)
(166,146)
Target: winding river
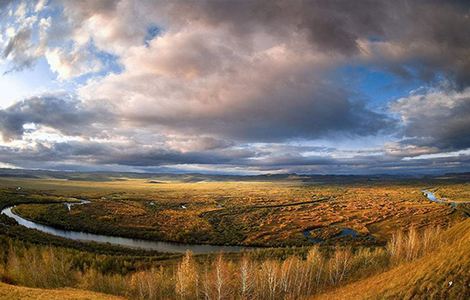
(159,246)
(432,197)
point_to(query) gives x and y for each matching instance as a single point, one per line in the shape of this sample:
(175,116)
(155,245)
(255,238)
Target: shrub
(186,277)
(412,244)
(253,276)
(110,284)
(40,268)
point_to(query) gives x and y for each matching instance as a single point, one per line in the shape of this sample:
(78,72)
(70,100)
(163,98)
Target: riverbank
(159,246)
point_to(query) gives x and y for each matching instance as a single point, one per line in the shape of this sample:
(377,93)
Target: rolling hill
(442,274)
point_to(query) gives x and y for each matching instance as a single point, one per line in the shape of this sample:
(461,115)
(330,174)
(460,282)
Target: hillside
(10,292)
(443,274)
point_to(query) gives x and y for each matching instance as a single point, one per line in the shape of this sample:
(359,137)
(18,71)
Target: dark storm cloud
(160,157)
(286,111)
(420,38)
(431,39)
(362,164)
(330,25)
(436,119)
(82,155)
(433,35)
(70,155)
(63,113)
(114,154)
(223,76)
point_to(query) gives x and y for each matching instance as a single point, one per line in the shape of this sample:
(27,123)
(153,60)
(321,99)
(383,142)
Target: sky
(236,87)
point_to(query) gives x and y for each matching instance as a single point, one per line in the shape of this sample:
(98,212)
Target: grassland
(441,274)
(415,264)
(401,249)
(11,292)
(272,214)
(457,192)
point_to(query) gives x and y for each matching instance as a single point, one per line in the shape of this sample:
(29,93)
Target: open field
(278,213)
(348,232)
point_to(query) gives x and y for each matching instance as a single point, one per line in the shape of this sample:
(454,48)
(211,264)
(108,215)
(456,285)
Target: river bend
(167,247)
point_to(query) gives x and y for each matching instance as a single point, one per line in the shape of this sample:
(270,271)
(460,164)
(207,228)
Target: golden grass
(247,213)
(249,278)
(250,213)
(442,274)
(11,292)
(456,192)
(445,258)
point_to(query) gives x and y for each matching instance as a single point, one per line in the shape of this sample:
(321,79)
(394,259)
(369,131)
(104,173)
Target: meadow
(455,192)
(249,213)
(311,237)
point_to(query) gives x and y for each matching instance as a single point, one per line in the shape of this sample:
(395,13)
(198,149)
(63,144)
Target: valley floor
(401,245)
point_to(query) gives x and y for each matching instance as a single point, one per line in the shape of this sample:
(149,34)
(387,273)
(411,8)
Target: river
(159,246)
(432,197)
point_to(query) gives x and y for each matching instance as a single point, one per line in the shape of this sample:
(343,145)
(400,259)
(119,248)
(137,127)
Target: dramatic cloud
(246,85)
(437,120)
(63,113)
(272,94)
(328,25)
(427,35)
(86,155)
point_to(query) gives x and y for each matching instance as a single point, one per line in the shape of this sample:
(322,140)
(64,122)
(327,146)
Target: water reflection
(121,241)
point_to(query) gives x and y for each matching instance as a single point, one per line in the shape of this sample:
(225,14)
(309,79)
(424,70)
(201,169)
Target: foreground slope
(12,292)
(442,274)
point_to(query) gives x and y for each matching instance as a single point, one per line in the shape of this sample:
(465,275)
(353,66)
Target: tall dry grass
(221,278)
(43,268)
(110,284)
(153,284)
(186,277)
(409,245)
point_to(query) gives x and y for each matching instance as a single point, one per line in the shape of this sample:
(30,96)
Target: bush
(252,276)
(43,268)
(412,244)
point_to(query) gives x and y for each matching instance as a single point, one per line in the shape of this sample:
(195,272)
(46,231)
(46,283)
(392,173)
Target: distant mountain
(196,177)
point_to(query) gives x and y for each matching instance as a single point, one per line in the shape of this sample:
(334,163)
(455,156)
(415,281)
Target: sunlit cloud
(235,87)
